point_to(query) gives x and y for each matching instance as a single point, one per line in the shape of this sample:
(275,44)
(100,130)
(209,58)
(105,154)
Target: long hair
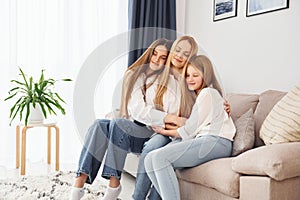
(188,97)
(136,69)
(194,49)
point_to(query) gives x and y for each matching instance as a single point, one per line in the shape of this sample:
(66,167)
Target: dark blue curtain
(149,20)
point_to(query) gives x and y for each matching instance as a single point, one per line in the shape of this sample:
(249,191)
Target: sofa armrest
(263,187)
(278,161)
(131,164)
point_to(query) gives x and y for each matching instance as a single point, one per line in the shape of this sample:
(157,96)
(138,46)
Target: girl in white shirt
(149,92)
(207,134)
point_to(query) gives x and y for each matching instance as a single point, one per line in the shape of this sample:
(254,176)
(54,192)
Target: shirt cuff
(183,134)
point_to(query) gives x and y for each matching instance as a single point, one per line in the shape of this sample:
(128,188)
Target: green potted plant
(30,93)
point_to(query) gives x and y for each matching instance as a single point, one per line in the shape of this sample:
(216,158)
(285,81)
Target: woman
(207,134)
(182,50)
(148,94)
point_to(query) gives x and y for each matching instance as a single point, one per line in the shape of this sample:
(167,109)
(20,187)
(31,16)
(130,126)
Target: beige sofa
(264,172)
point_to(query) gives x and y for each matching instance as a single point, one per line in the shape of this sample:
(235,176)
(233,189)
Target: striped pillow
(283,122)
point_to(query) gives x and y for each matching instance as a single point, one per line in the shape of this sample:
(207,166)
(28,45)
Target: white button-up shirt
(208,117)
(145,111)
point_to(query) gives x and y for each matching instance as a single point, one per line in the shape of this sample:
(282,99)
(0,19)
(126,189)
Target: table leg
(57,148)
(49,146)
(17,146)
(23,154)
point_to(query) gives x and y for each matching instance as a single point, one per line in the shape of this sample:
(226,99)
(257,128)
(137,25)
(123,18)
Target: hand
(158,129)
(171,127)
(162,131)
(227,107)
(174,119)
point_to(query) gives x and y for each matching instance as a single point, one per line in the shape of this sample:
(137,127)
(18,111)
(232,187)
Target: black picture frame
(224,9)
(257,7)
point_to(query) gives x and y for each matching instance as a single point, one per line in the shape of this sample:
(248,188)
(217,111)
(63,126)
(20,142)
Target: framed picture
(224,9)
(257,7)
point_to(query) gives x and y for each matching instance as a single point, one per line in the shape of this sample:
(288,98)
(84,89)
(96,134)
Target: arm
(172,133)
(175,120)
(201,115)
(199,118)
(145,112)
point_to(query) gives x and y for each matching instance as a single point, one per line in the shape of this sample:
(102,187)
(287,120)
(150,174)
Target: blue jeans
(143,183)
(160,163)
(114,137)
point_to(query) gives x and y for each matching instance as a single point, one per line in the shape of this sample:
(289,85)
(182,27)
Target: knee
(152,161)
(98,129)
(119,124)
(148,162)
(148,147)
(97,121)
(155,142)
(101,124)
(118,121)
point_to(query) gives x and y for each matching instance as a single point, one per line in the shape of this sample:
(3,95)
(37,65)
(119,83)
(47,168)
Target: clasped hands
(172,122)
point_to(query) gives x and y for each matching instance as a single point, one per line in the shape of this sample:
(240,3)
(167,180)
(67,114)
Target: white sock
(76,193)
(112,193)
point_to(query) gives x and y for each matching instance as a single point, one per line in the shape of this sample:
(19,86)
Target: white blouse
(208,117)
(145,112)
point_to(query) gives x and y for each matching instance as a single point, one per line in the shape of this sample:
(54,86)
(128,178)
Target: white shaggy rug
(56,186)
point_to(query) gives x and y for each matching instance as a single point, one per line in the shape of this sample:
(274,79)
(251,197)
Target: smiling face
(181,53)
(194,78)
(158,58)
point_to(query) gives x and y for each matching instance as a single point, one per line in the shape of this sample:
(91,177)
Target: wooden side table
(23,150)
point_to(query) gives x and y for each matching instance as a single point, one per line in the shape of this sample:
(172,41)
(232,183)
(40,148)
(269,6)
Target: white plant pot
(36,115)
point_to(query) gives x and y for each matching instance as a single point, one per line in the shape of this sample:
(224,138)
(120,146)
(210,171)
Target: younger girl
(207,134)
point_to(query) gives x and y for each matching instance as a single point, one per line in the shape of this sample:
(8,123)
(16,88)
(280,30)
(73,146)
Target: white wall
(251,54)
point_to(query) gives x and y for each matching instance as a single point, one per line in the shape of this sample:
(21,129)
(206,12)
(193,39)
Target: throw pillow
(266,102)
(283,122)
(241,103)
(244,137)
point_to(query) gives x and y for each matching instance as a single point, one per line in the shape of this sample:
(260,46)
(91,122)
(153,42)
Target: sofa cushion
(266,102)
(215,174)
(283,122)
(279,161)
(241,103)
(244,137)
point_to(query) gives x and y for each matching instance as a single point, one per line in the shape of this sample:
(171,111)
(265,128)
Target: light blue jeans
(160,163)
(115,138)
(143,183)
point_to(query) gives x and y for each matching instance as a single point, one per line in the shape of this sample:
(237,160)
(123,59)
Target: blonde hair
(136,69)
(188,97)
(194,49)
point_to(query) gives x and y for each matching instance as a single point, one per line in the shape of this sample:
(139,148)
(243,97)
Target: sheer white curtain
(57,36)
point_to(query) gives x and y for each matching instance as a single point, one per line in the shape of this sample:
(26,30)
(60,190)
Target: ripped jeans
(115,138)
